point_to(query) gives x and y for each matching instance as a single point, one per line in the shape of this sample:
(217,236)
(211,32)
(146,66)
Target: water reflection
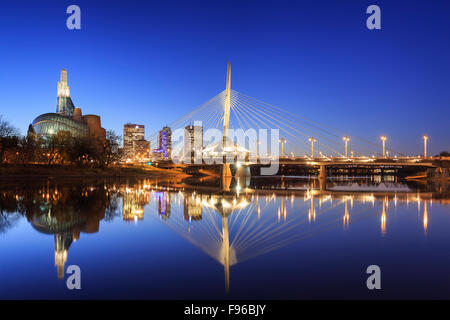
(64,213)
(231,227)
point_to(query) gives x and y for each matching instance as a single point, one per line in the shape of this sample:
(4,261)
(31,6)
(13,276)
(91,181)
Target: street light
(312,140)
(425,138)
(258,147)
(346,140)
(283,141)
(383,138)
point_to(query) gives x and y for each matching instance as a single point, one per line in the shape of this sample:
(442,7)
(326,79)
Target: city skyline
(190,154)
(302,79)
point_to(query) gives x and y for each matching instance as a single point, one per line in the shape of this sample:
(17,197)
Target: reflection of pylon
(425,217)
(346,215)
(226,251)
(312,211)
(383,218)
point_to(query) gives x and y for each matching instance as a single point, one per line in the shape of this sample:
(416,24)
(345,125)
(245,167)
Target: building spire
(64,104)
(63,88)
(64,75)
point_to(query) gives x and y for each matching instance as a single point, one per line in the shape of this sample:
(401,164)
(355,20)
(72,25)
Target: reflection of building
(163,204)
(193,141)
(192,208)
(135,147)
(62,244)
(133,204)
(67,117)
(65,216)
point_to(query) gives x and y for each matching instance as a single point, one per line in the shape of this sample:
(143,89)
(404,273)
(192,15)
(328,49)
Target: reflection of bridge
(323,147)
(232,228)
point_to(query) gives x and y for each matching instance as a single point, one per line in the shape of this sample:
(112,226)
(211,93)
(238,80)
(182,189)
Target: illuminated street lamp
(258,147)
(312,140)
(346,140)
(425,138)
(383,139)
(283,141)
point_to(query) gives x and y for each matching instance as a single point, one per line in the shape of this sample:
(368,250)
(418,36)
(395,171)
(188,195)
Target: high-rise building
(135,147)
(193,142)
(165,142)
(67,117)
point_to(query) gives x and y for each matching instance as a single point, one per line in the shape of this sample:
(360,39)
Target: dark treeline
(58,149)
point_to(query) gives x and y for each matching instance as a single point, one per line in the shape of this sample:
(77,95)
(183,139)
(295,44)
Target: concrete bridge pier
(226,177)
(323,172)
(323,178)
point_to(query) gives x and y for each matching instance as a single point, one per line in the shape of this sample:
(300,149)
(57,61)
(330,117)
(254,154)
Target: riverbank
(43,171)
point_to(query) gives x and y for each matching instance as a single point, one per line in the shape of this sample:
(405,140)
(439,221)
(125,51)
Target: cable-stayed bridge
(252,133)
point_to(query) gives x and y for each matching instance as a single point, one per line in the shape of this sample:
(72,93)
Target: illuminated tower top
(64,104)
(63,88)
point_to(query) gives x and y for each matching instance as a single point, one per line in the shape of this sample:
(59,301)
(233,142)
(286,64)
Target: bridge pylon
(226,171)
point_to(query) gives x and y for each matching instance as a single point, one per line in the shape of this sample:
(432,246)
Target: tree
(8,138)
(444,154)
(84,151)
(28,148)
(57,147)
(111,148)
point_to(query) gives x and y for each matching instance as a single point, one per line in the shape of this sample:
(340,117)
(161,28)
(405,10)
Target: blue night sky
(151,62)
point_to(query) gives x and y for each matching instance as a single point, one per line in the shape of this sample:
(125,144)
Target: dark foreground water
(281,238)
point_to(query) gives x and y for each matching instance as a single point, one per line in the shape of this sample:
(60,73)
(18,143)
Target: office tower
(135,147)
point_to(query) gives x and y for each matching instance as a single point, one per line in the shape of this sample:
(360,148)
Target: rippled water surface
(265,238)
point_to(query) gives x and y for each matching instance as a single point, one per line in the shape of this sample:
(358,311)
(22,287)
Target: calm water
(268,238)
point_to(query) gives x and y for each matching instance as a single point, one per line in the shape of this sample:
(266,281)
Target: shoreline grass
(38,171)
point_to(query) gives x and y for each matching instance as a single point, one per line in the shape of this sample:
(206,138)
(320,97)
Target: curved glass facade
(65,105)
(51,123)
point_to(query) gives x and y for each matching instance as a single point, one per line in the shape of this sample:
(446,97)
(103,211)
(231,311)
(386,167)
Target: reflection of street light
(425,138)
(312,140)
(383,139)
(346,140)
